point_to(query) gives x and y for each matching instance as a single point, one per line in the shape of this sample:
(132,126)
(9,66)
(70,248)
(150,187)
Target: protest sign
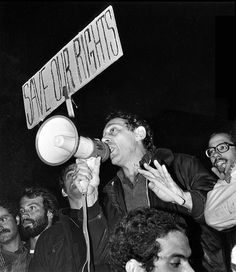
(89,53)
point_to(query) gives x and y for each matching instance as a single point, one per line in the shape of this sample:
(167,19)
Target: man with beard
(70,244)
(14,256)
(38,210)
(220,209)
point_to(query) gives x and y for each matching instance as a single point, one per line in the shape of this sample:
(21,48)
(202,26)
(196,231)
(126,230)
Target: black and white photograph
(117,136)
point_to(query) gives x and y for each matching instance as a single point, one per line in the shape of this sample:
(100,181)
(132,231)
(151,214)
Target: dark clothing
(190,176)
(17,261)
(62,247)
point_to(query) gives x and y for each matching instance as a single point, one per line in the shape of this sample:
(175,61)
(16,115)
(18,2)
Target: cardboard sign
(95,48)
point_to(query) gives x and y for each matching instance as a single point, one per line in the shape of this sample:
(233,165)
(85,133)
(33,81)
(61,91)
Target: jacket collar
(163,155)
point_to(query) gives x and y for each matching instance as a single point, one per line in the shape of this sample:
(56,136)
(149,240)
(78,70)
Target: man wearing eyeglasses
(220,209)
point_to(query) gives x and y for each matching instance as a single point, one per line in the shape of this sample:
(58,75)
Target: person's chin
(76,193)
(115,160)
(228,169)
(28,225)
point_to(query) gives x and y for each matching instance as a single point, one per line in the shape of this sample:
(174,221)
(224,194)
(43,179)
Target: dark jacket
(62,247)
(191,176)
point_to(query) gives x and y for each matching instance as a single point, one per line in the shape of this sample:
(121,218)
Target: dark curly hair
(228,128)
(133,121)
(50,202)
(134,237)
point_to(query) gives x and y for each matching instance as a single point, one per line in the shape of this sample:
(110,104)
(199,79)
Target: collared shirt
(220,207)
(17,261)
(136,193)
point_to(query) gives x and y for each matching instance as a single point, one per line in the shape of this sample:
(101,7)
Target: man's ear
(17,220)
(49,214)
(134,266)
(140,133)
(64,193)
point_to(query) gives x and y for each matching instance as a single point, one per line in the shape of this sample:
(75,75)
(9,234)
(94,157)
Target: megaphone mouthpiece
(100,149)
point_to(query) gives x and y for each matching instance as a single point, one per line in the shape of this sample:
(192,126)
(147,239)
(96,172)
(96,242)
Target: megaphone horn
(57,140)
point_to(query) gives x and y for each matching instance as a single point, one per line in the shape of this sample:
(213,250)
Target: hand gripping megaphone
(57,140)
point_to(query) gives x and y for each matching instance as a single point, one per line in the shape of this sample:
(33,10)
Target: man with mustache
(220,209)
(77,242)
(38,210)
(14,256)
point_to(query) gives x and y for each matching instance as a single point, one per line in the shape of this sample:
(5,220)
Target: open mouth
(220,164)
(4,231)
(27,223)
(112,150)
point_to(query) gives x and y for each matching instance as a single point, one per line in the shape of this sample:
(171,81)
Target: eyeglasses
(221,148)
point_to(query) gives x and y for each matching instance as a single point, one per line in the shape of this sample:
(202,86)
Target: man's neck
(13,246)
(130,173)
(77,204)
(33,241)
(131,167)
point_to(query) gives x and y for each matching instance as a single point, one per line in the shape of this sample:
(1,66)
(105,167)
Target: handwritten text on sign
(90,52)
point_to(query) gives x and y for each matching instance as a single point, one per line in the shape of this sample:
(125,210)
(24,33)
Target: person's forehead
(115,121)
(3,212)
(26,201)
(174,243)
(219,138)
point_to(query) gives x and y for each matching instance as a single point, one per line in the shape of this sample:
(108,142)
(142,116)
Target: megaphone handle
(85,231)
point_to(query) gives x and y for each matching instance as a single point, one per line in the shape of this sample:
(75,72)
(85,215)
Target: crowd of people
(162,211)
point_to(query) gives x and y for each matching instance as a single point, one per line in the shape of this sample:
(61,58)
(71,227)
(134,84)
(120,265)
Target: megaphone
(57,140)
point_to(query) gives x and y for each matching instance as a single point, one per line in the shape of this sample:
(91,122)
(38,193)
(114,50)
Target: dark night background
(177,71)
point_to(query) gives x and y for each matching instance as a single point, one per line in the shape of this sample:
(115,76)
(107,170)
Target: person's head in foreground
(148,240)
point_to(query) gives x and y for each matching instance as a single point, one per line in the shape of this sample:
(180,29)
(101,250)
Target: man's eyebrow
(174,255)
(112,124)
(5,215)
(179,256)
(33,203)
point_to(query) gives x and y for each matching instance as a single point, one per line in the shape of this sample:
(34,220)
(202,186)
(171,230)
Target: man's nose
(216,154)
(25,214)
(106,139)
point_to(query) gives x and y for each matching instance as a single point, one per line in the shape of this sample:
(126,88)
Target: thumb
(151,185)
(217,173)
(154,188)
(96,166)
